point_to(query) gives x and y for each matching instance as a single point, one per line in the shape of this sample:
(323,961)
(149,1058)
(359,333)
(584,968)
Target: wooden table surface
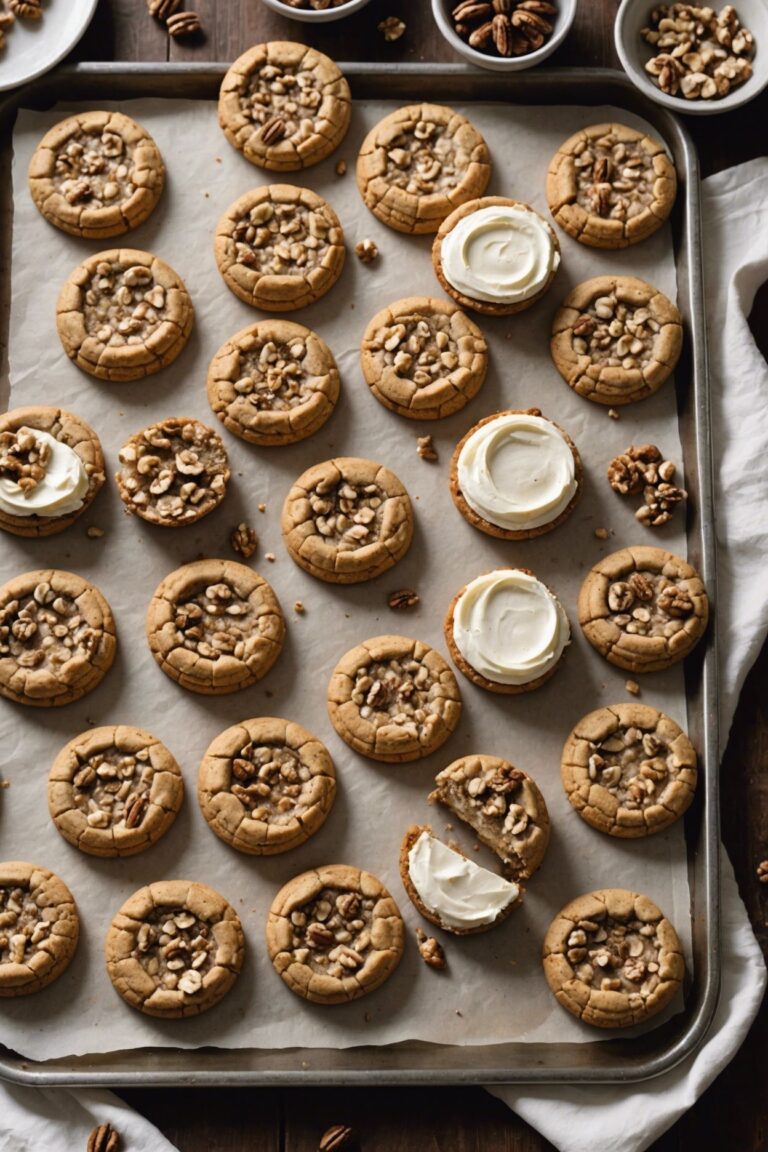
(733,1114)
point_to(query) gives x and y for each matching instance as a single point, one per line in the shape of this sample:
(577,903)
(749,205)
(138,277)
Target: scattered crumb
(244,540)
(430,950)
(5,783)
(367,1017)
(425,448)
(602,533)
(459,1013)
(762,868)
(268,693)
(262,507)
(404,598)
(449,827)
(632,687)
(269,556)
(94,533)
(299,608)
(391,28)
(207,195)
(613,414)
(475,847)
(341,167)
(366,250)
(219,160)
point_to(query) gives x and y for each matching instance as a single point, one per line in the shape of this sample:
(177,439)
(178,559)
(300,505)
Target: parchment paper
(494,989)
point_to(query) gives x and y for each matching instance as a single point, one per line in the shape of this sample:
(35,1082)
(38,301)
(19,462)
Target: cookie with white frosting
(506,631)
(516,475)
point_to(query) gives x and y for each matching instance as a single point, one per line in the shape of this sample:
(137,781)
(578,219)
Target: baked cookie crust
(418,164)
(629,770)
(40,928)
(57,638)
(215,626)
(643,608)
(174,949)
(610,186)
(114,791)
(266,785)
(612,958)
(334,934)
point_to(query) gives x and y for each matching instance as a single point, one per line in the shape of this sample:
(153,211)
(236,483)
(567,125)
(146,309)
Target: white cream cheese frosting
(61,491)
(503,254)
(509,627)
(458,891)
(517,471)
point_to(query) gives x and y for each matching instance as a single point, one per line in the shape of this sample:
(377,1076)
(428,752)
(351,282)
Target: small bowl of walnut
(693,59)
(315,11)
(504,35)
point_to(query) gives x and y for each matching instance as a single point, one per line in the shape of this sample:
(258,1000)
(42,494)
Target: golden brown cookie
(39,928)
(114,791)
(174,949)
(347,520)
(266,785)
(522,444)
(616,339)
(612,958)
(97,174)
(418,164)
(423,358)
(334,934)
(123,314)
(279,247)
(274,383)
(628,770)
(393,699)
(643,608)
(51,468)
(285,106)
(57,638)
(610,186)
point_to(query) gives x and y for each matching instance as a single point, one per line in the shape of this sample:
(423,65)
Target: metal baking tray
(604,1060)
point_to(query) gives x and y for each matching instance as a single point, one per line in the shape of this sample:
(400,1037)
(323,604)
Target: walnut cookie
(123,314)
(629,770)
(96,175)
(616,339)
(423,358)
(39,928)
(114,791)
(174,949)
(266,785)
(284,106)
(57,638)
(215,626)
(393,699)
(643,608)
(279,247)
(418,164)
(612,958)
(273,383)
(610,186)
(347,520)
(334,934)
(174,472)
(51,468)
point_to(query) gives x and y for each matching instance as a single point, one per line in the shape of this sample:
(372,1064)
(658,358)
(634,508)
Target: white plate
(34,46)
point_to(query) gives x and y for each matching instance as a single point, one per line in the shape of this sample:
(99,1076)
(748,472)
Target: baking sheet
(494,990)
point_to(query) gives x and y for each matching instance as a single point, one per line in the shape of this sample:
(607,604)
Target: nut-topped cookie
(502,804)
(423,357)
(612,958)
(418,164)
(616,339)
(285,106)
(393,699)
(123,314)
(174,472)
(334,934)
(610,186)
(114,790)
(57,638)
(266,785)
(643,608)
(215,626)
(347,520)
(273,383)
(39,928)
(51,468)
(629,770)
(174,949)
(279,247)
(97,174)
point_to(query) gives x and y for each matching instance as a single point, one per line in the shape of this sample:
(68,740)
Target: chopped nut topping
(615,335)
(635,766)
(283,238)
(391,28)
(419,349)
(430,950)
(704,53)
(123,304)
(427,157)
(272,783)
(278,95)
(399,692)
(274,375)
(23,458)
(45,630)
(331,934)
(366,251)
(176,949)
(112,788)
(97,167)
(347,515)
(244,540)
(24,928)
(614,179)
(217,623)
(426,449)
(173,471)
(615,955)
(649,604)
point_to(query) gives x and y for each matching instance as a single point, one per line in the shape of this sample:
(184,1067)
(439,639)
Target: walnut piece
(704,53)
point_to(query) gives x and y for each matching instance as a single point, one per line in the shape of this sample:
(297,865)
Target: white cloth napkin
(609,1118)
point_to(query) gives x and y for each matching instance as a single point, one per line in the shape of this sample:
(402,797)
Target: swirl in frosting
(504,254)
(458,891)
(61,491)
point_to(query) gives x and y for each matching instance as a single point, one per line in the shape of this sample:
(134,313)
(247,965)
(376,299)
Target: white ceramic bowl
(634,53)
(441,10)
(316,16)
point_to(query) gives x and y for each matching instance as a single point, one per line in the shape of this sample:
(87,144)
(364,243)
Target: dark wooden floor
(733,1115)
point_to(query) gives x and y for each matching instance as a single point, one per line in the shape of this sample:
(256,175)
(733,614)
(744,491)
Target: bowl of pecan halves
(504,35)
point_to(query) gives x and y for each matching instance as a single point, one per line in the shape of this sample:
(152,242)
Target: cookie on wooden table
(39,928)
